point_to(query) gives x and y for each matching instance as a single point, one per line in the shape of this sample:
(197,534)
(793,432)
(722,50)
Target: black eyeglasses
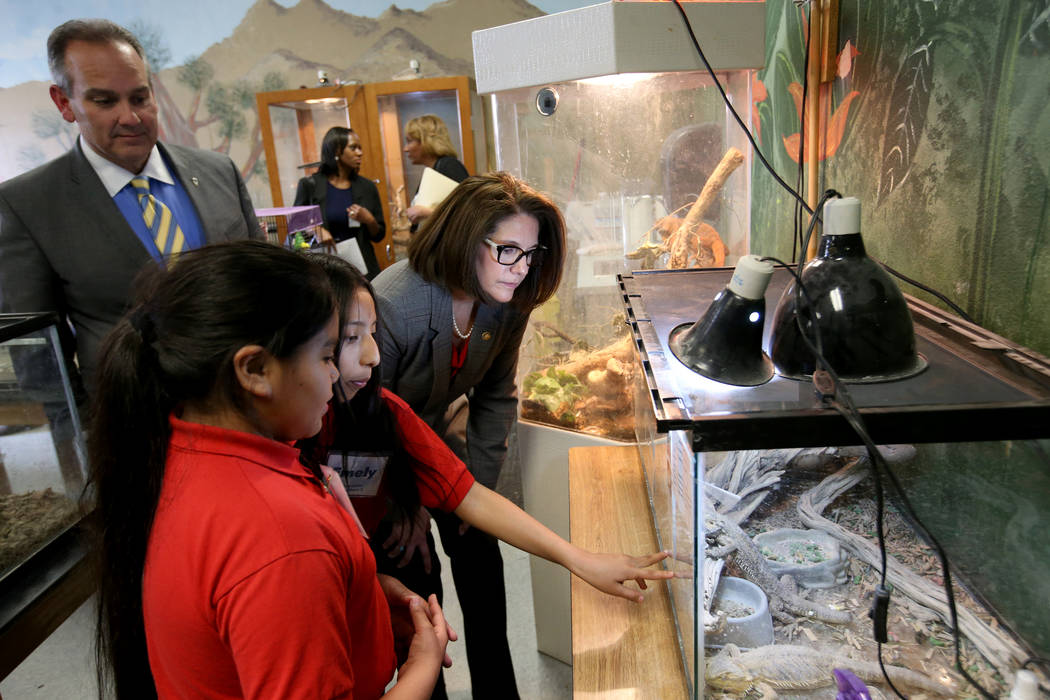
(510,254)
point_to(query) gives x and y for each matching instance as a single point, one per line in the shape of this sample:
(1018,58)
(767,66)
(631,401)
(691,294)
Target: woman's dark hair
(177,345)
(445,249)
(365,421)
(335,140)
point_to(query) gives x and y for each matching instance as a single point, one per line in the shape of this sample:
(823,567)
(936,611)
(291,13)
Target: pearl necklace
(455,326)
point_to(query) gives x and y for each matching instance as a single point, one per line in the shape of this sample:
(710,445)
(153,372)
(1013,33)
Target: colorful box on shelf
(281,222)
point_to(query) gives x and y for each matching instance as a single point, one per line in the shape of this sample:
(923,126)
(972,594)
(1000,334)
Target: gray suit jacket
(415,341)
(65,246)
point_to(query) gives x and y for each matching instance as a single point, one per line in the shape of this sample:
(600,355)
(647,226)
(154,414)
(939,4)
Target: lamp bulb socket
(842,216)
(751,277)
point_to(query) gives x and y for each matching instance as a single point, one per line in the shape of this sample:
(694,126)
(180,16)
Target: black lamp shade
(865,327)
(726,343)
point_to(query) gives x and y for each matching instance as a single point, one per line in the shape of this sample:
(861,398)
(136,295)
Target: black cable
(845,404)
(924,288)
(780,181)
(725,98)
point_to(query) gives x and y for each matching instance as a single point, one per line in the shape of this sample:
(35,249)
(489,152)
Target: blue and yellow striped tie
(159,220)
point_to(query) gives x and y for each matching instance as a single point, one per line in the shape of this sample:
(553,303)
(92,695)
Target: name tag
(361,474)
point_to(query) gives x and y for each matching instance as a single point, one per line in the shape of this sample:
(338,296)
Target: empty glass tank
(609,110)
(42,473)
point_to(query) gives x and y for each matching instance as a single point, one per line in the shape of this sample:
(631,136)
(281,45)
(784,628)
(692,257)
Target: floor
(63,666)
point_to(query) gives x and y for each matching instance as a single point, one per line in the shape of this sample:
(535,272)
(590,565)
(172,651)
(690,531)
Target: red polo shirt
(257,584)
(441,477)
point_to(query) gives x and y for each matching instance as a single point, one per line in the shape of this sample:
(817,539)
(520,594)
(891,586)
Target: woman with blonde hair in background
(427,142)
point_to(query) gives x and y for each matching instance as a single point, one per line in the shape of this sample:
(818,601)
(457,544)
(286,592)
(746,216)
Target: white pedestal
(544,453)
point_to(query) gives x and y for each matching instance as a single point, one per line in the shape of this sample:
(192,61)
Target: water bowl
(748,621)
(812,557)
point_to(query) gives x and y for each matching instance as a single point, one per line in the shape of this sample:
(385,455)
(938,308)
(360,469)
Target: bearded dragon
(792,667)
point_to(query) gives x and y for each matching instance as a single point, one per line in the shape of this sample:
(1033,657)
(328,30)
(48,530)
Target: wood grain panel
(620,649)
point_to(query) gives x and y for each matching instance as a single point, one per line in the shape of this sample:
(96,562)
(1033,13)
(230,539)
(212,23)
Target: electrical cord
(758,152)
(827,383)
(739,121)
(930,290)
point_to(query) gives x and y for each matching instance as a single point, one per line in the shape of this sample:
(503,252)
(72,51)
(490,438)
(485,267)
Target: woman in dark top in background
(349,202)
(427,142)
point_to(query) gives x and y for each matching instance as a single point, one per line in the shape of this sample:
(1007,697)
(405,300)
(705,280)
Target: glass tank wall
(42,473)
(750,483)
(294,123)
(626,158)
(391,106)
(609,110)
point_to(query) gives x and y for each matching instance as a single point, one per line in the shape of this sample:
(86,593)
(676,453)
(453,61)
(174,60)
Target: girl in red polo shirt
(387,458)
(227,568)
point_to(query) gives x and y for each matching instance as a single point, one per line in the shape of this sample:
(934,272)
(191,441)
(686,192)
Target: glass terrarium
(748,484)
(609,110)
(42,473)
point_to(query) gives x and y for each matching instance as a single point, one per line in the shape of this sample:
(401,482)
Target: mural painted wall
(207,99)
(938,121)
(938,118)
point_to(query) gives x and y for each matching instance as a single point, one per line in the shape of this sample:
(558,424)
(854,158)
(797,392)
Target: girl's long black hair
(365,421)
(176,345)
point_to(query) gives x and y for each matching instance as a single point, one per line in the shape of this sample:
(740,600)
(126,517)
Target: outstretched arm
(487,510)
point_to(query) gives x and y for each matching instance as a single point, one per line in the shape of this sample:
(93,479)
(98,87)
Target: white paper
(350,251)
(433,187)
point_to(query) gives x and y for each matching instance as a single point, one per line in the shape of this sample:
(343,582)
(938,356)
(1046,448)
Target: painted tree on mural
(229,106)
(195,74)
(47,124)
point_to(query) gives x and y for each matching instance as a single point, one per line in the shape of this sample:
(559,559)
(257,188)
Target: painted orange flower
(831,124)
(758,94)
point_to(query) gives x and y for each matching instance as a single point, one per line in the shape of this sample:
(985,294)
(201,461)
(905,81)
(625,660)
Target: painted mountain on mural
(208,101)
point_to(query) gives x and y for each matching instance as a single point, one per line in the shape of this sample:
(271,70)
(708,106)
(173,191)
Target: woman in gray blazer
(454,315)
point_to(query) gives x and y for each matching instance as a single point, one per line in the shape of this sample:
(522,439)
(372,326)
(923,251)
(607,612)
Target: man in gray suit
(72,232)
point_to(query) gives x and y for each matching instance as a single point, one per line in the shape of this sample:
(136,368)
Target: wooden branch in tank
(690,241)
(993,643)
